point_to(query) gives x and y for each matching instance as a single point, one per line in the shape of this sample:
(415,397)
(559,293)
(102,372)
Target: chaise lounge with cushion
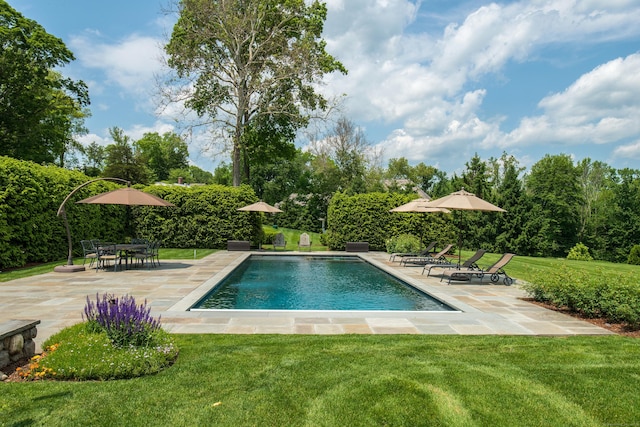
(423,260)
(494,272)
(428,251)
(469,264)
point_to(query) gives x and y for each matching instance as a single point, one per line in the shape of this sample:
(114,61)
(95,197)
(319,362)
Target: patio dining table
(126,249)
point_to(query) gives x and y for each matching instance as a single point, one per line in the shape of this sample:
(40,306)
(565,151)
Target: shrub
(634,255)
(404,243)
(124,322)
(580,252)
(613,296)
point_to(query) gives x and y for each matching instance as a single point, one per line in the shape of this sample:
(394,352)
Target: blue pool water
(264,282)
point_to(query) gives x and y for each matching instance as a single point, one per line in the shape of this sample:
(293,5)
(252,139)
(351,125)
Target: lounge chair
(428,251)
(279,242)
(437,258)
(304,241)
(494,272)
(469,264)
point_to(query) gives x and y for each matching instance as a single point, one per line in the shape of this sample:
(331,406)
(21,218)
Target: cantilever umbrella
(122,196)
(465,201)
(126,196)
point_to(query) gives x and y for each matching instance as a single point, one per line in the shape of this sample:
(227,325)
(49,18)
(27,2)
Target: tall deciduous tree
(555,191)
(123,161)
(244,59)
(163,153)
(40,110)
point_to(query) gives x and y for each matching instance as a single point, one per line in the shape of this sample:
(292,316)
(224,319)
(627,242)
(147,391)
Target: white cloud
(630,151)
(130,64)
(600,107)
(426,82)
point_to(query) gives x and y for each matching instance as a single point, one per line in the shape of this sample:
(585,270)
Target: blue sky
(432,81)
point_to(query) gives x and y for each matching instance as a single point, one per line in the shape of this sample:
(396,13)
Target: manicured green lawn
(355,380)
(525,268)
(292,237)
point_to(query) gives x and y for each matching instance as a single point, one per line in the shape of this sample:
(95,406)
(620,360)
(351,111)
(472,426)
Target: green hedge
(609,294)
(204,217)
(31,231)
(366,217)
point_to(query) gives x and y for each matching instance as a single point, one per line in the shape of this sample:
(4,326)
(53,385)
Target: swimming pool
(313,282)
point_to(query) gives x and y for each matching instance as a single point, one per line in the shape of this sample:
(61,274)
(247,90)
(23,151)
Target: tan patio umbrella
(126,196)
(260,207)
(122,196)
(465,201)
(419,206)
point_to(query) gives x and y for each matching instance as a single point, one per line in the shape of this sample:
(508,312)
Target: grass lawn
(355,380)
(292,237)
(525,267)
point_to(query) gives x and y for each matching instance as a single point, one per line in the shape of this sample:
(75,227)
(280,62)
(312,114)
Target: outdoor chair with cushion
(90,252)
(494,272)
(469,264)
(107,253)
(428,251)
(423,260)
(156,252)
(279,242)
(304,241)
(145,255)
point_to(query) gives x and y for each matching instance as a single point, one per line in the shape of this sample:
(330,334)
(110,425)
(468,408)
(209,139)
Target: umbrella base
(68,268)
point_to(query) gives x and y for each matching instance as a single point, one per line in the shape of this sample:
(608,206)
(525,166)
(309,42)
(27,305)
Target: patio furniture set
(105,254)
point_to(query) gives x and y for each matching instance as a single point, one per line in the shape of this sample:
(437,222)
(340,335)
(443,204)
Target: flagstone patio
(58,299)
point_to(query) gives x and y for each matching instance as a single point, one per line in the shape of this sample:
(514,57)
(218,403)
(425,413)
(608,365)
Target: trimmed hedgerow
(31,231)
(366,217)
(204,217)
(608,294)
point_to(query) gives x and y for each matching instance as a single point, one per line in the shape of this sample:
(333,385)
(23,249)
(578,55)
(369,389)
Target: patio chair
(107,253)
(90,252)
(423,260)
(428,251)
(279,241)
(494,272)
(145,255)
(469,264)
(304,241)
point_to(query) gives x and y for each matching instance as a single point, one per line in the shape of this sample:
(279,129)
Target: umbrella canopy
(126,196)
(418,205)
(260,207)
(463,200)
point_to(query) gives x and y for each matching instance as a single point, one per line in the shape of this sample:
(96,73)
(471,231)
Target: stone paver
(58,299)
